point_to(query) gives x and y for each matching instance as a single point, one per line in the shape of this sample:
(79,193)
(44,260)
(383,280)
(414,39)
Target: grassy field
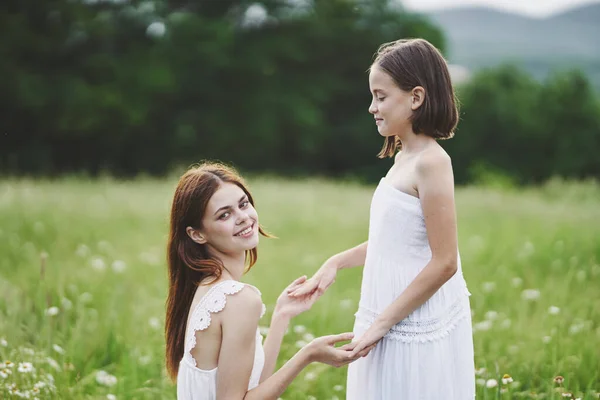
(83,284)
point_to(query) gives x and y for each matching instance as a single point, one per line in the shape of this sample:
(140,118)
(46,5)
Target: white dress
(429,354)
(194,383)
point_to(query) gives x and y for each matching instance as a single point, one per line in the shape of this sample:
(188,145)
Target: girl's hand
(319,283)
(323,350)
(289,307)
(368,340)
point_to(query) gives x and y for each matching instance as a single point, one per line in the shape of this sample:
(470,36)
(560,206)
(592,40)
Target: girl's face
(391,106)
(230,222)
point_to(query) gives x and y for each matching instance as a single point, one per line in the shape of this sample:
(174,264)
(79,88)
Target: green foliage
(96,251)
(92,86)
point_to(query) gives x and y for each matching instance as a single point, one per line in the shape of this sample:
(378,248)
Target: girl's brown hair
(416,62)
(190,263)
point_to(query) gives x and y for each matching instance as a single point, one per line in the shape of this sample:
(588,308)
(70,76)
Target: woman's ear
(195,235)
(418,97)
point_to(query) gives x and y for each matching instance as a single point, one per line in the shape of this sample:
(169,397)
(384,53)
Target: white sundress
(429,354)
(194,383)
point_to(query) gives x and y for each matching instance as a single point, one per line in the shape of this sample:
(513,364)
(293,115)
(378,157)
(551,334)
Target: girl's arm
(435,183)
(325,276)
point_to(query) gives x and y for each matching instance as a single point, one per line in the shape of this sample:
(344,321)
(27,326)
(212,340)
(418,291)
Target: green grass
(546,239)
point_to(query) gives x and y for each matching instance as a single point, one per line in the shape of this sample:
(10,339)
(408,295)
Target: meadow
(83,283)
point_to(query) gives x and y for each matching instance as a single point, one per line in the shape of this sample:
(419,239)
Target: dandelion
(553,310)
(308,337)
(25,367)
(559,380)
(546,339)
(346,303)
(488,287)
(3,342)
(52,311)
(482,326)
(58,349)
(506,379)
(491,383)
(119,266)
(156,29)
(154,323)
(66,303)
(530,294)
(299,329)
(491,315)
(105,379)
(310,376)
(52,362)
(98,264)
(82,251)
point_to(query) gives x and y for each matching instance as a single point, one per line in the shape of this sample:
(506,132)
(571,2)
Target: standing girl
(414,301)
(214,349)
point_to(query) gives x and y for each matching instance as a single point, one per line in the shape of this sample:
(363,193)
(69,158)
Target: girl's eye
(380,98)
(245,204)
(225,215)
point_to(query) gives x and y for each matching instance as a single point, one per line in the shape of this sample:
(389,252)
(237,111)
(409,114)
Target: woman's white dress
(429,354)
(194,383)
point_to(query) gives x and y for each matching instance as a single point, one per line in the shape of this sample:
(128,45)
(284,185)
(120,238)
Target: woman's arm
(435,183)
(279,324)
(325,276)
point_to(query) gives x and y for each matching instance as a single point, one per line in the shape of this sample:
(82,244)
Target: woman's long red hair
(190,263)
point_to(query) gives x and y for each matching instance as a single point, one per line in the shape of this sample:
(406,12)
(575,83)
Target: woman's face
(230,222)
(391,106)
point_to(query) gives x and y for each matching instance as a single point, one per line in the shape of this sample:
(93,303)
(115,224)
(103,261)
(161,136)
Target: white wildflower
(576,328)
(119,266)
(299,329)
(52,362)
(111,397)
(144,360)
(301,343)
(7,364)
(506,379)
(98,264)
(491,383)
(264,330)
(82,251)
(482,326)
(86,297)
(308,337)
(4,373)
(3,342)
(530,294)
(58,349)
(52,311)
(106,379)
(491,315)
(553,310)
(480,382)
(156,29)
(25,367)
(506,324)
(28,351)
(154,323)
(516,282)
(488,287)
(546,339)
(480,371)
(66,303)
(310,376)
(338,388)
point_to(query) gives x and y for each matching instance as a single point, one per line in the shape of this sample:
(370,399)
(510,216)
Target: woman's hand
(323,350)
(288,306)
(318,284)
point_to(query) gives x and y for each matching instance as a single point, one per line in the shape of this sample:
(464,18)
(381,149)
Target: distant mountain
(481,37)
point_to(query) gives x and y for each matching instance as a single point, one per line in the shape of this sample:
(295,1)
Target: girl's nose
(372,108)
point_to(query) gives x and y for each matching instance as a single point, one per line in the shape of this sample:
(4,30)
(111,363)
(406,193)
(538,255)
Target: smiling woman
(212,317)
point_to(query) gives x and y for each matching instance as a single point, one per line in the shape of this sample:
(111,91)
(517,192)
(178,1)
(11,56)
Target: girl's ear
(418,97)
(195,235)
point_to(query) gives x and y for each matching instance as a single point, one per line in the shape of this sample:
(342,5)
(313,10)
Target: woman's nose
(372,108)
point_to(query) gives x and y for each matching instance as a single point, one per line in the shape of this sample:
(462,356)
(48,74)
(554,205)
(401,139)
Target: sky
(533,8)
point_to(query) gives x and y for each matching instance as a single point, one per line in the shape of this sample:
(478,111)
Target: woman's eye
(380,98)
(224,215)
(244,204)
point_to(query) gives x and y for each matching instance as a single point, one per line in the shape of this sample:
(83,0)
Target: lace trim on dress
(420,331)
(212,302)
